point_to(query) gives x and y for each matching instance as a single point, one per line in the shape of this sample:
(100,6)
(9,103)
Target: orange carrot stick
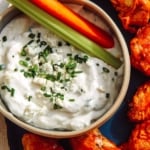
(77,22)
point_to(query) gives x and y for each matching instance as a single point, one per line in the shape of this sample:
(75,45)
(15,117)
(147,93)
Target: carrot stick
(75,21)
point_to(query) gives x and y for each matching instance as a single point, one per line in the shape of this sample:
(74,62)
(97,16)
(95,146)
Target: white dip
(48,83)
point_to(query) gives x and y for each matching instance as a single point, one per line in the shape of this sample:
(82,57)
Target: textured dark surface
(118,127)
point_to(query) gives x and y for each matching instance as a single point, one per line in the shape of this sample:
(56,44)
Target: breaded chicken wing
(140,50)
(132,13)
(35,142)
(139,138)
(93,140)
(139,107)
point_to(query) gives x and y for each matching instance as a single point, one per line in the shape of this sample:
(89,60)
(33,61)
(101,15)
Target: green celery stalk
(66,33)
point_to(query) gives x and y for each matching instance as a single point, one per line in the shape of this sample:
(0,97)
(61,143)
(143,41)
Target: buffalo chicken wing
(132,13)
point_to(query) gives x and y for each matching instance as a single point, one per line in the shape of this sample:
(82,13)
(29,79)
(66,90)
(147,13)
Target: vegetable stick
(77,22)
(66,33)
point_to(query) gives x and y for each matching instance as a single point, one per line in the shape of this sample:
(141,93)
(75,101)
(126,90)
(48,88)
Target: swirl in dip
(50,84)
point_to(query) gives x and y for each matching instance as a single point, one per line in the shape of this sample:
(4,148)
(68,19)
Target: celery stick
(65,32)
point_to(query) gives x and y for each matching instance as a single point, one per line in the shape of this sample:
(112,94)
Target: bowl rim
(109,113)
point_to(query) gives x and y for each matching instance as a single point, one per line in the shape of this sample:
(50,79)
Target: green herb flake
(44,54)
(22,70)
(49,49)
(85,58)
(27,58)
(16,69)
(2,67)
(69,54)
(60,96)
(23,52)
(116,73)
(97,64)
(39,35)
(71,100)
(53,97)
(50,77)
(29,98)
(23,63)
(56,106)
(80,59)
(38,41)
(62,65)
(30,42)
(59,43)
(42,43)
(59,74)
(74,73)
(43,88)
(31,35)
(4,38)
(68,44)
(47,95)
(113,79)
(81,90)
(106,70)
(107,95)
(32,71)
(11,90)
(27,74)
(71,65)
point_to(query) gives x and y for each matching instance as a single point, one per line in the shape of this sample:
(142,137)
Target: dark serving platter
(118,127)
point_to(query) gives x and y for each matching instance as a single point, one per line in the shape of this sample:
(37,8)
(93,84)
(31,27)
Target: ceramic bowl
(10,13)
